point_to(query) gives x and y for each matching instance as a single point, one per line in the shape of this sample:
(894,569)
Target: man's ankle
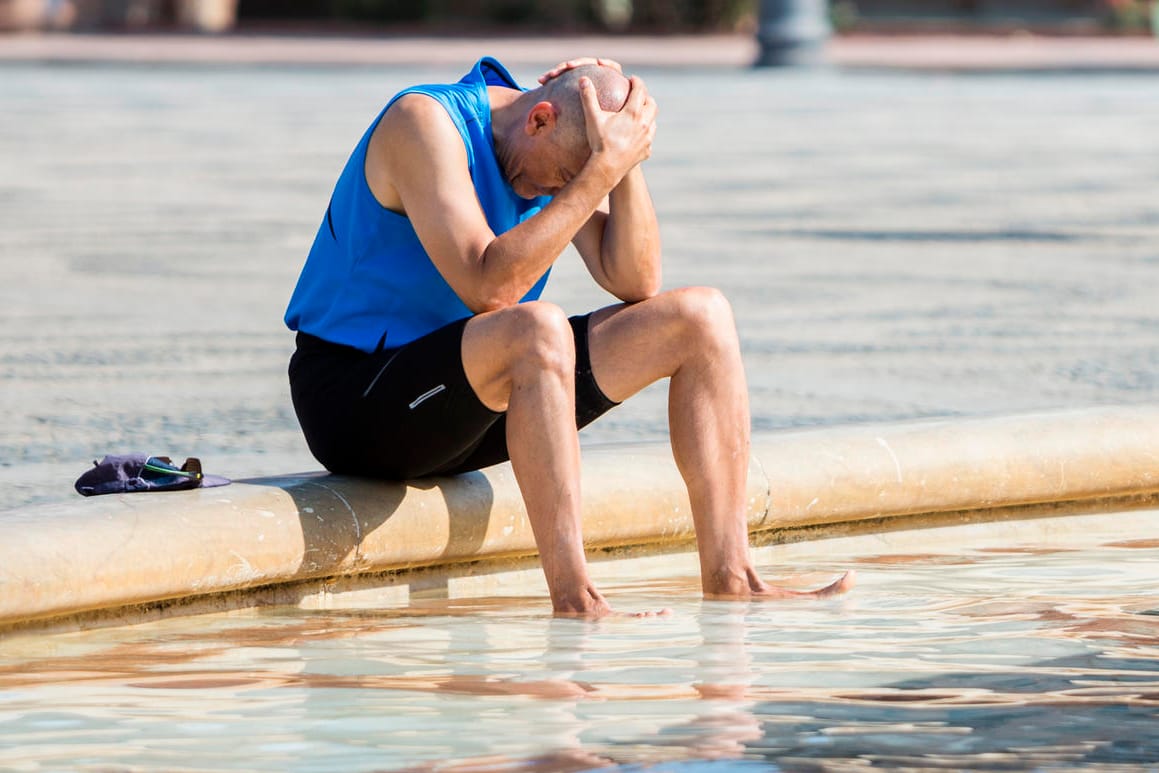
(584,601)
(731,582)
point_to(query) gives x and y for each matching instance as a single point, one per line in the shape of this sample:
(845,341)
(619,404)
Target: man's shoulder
(418,128)
(419,115)
(417,104)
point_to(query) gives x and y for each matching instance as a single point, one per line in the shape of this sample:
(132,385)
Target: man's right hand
(621,140)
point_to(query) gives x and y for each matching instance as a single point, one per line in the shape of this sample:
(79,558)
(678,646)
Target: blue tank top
(368,282)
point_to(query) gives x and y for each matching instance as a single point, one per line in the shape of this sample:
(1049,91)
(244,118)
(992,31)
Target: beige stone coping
(115,552)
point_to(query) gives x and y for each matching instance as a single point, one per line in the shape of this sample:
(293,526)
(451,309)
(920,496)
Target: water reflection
(701,711)
(981,659)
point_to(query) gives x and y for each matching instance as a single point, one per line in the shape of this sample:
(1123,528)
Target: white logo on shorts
(426,396)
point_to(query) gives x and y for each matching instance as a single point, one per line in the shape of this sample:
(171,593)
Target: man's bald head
(563,92)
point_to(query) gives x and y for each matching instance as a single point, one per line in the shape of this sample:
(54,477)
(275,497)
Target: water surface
(992,654)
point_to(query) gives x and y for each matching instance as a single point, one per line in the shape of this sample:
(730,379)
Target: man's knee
(705,313)
(520,344)
(541,338)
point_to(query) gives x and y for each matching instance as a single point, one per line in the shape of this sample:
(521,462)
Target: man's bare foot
(842,584)
(753,587)
(590,604)
(609,612)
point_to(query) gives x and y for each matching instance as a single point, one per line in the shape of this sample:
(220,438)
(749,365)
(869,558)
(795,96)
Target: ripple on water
(1007,656)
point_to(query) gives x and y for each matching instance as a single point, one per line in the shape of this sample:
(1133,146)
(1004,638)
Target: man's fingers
(592,112)
(650,110)
(571,64)
(637,94)
(589,98)
(554,71)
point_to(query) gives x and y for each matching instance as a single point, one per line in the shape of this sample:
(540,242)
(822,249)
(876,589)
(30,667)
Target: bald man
(423,349)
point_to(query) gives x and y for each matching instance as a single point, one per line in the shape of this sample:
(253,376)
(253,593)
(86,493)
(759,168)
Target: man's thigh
(412,412)
(422,410)
(395,414)
(634,345)
(590,404)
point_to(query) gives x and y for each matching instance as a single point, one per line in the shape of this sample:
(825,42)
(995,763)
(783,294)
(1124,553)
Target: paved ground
(896,244)
(952,53)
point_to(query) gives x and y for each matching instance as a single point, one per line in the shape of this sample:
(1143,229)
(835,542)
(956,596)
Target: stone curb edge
(111,552)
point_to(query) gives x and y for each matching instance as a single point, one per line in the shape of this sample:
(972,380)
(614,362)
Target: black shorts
(410,412)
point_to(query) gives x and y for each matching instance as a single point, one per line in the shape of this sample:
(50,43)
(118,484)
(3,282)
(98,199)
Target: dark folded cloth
(141,472)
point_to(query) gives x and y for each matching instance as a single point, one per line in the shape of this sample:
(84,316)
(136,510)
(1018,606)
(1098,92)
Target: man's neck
(508,112)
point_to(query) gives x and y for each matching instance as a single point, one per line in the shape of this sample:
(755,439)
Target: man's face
(547,167)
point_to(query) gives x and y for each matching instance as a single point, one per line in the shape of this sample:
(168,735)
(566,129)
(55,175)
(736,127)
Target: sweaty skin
(581,138)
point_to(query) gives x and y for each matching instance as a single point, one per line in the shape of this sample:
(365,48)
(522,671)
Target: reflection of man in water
(422,347)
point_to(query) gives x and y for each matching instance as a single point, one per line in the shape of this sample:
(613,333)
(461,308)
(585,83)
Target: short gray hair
(563,92)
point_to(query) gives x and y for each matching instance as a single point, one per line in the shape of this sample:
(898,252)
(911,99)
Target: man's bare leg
(522,360)
(689,335)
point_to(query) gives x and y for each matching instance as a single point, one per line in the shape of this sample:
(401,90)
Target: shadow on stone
(339,515)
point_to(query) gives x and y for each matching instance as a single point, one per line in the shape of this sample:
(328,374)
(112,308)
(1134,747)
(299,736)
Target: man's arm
(620,244)
(621,247)
(418,156)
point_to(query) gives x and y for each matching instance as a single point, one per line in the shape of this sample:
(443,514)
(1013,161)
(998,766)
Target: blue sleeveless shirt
(368,283)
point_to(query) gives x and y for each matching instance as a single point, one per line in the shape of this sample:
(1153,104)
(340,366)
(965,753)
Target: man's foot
(580,601)
(589,603)
(750,586)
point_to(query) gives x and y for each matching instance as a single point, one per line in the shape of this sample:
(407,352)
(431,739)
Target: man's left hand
(571,64)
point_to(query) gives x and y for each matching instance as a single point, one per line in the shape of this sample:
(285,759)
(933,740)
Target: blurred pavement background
(937,226)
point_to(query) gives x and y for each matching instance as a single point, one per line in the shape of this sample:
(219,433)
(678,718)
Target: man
(422,347)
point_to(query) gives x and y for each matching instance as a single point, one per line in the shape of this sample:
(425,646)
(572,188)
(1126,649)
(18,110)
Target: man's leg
(522,360)
(689,335)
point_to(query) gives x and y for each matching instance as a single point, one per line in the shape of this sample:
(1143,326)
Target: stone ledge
(111,552)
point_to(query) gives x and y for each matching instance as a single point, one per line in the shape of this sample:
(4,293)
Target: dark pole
(792,32)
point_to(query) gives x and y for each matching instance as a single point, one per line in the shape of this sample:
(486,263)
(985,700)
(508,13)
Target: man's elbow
(642,289)
(637,297)
(482,303)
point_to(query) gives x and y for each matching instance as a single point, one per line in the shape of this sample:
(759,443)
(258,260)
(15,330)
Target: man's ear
(542,117)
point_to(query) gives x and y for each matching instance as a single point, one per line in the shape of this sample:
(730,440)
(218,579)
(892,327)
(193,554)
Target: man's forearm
(514,261)
(630,249)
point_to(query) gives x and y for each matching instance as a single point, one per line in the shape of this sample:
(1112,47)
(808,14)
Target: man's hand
(621,140)
(571,64)
(620,245)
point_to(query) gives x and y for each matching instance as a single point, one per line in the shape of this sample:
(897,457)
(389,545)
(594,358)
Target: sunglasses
(163,469)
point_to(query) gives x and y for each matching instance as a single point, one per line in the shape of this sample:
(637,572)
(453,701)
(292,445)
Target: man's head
(562,94)
(553,143)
